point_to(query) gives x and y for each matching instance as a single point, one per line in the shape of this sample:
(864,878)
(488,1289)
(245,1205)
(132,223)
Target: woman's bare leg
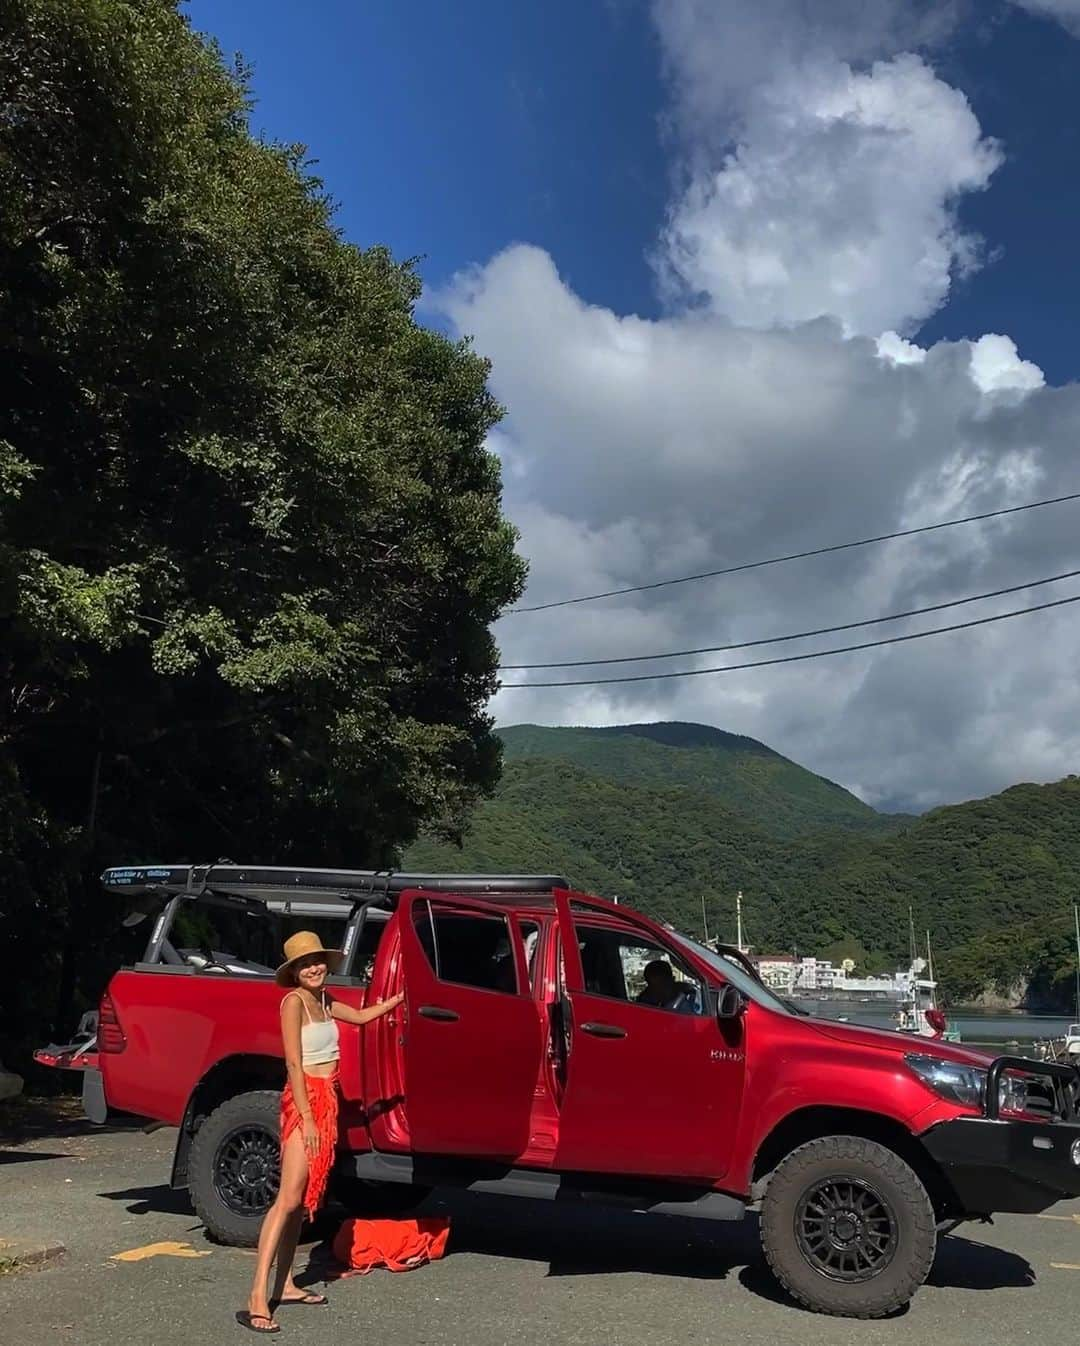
(284,1285)
(289,1205)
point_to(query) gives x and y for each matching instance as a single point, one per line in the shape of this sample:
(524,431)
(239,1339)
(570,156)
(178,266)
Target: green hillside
(775,794)
(994,880)
(658,848)
(656,817)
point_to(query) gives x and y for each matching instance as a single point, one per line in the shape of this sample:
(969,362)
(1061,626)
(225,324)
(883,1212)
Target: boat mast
(914,948)
(738,921)
(704,920)
(1076,921)
(930,973)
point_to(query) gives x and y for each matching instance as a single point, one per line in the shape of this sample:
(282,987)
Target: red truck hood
(889,1040)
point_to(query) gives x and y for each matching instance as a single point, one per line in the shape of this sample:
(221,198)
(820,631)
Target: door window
(530,937)
(622,965)
(467,949)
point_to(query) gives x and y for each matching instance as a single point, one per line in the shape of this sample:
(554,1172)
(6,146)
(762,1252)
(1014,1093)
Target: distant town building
(789,975)
(817,974)
(777,971)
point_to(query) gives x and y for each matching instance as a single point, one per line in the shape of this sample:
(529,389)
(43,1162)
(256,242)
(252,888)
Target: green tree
(251,540)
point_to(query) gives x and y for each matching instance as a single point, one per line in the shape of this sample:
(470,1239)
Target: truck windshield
(737,976)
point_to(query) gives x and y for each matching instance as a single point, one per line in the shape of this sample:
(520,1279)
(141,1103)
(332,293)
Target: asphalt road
(517,1272)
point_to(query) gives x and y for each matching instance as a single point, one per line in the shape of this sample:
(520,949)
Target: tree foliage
(251,540)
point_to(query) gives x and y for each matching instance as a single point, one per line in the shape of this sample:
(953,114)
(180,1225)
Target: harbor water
(980,1028)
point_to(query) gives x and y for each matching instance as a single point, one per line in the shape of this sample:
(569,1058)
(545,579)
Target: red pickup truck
(530,1059)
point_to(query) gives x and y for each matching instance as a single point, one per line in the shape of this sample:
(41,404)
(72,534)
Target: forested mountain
(664,815)
(754,782)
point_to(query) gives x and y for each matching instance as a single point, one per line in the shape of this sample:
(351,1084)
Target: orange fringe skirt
(322,1094)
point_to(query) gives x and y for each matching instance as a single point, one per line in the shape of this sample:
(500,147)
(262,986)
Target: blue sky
(1021,74)
(451,131)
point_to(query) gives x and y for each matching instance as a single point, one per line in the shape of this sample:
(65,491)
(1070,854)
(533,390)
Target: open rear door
(473,1037)
(650,1090)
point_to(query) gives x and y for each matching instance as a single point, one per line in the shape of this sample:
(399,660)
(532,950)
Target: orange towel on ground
(398,1245)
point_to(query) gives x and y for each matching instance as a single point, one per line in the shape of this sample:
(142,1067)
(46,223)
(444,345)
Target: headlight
(960,1084)
(967,1084)
(1012,1094)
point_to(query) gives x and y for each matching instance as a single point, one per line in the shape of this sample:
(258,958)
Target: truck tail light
(111,1036)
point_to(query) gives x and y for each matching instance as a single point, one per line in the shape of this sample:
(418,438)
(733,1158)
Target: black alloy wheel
(846,1229)
(247,1170)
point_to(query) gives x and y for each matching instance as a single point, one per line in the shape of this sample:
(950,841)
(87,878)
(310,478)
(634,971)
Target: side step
(657,1198)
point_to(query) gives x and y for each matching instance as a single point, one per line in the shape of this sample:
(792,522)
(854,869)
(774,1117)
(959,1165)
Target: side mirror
(730,1003)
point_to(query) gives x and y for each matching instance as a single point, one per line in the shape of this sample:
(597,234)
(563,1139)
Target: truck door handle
(437,1012)
(604,1030)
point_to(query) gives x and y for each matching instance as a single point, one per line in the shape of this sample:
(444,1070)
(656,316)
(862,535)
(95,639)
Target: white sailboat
(919,1012)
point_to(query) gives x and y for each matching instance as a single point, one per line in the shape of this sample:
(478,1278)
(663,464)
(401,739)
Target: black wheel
(235,1166)
(848,1227)
(386,1199)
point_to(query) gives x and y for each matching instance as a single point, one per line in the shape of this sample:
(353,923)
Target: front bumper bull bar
(1021,1164)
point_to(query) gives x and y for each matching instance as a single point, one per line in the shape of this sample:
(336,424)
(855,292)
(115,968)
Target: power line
(793,556)
(799,658)
(797,635)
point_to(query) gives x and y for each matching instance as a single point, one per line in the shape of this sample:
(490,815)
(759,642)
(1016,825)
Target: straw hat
(300,945)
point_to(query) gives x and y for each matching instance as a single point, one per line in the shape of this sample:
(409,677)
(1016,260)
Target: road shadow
(576,1239)
(960,1264)
(161,1199)
(964,1264)
(28,1156)
(759,1280)
(579,1240)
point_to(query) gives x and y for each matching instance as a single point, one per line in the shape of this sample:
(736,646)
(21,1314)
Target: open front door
(473,1037)
(653,1082)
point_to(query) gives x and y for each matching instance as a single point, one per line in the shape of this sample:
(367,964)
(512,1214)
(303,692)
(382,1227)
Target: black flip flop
(244,1318)
(308,1301)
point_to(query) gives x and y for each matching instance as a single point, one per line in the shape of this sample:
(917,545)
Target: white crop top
(319,1039)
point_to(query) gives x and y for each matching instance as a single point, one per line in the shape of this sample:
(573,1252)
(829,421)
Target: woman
(309,1107)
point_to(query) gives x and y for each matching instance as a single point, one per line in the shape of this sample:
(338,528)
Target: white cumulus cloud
(996,366)
(662,448)
(838,198)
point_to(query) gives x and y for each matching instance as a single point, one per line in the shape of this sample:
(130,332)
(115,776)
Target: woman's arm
(291,1018)
(364,1016)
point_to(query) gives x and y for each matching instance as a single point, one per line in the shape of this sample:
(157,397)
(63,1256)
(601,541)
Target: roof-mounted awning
(280,883)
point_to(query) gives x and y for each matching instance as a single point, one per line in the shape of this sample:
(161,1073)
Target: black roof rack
(274,883)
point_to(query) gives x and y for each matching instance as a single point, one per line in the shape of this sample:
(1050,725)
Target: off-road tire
(242,1132)
(799,1257)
